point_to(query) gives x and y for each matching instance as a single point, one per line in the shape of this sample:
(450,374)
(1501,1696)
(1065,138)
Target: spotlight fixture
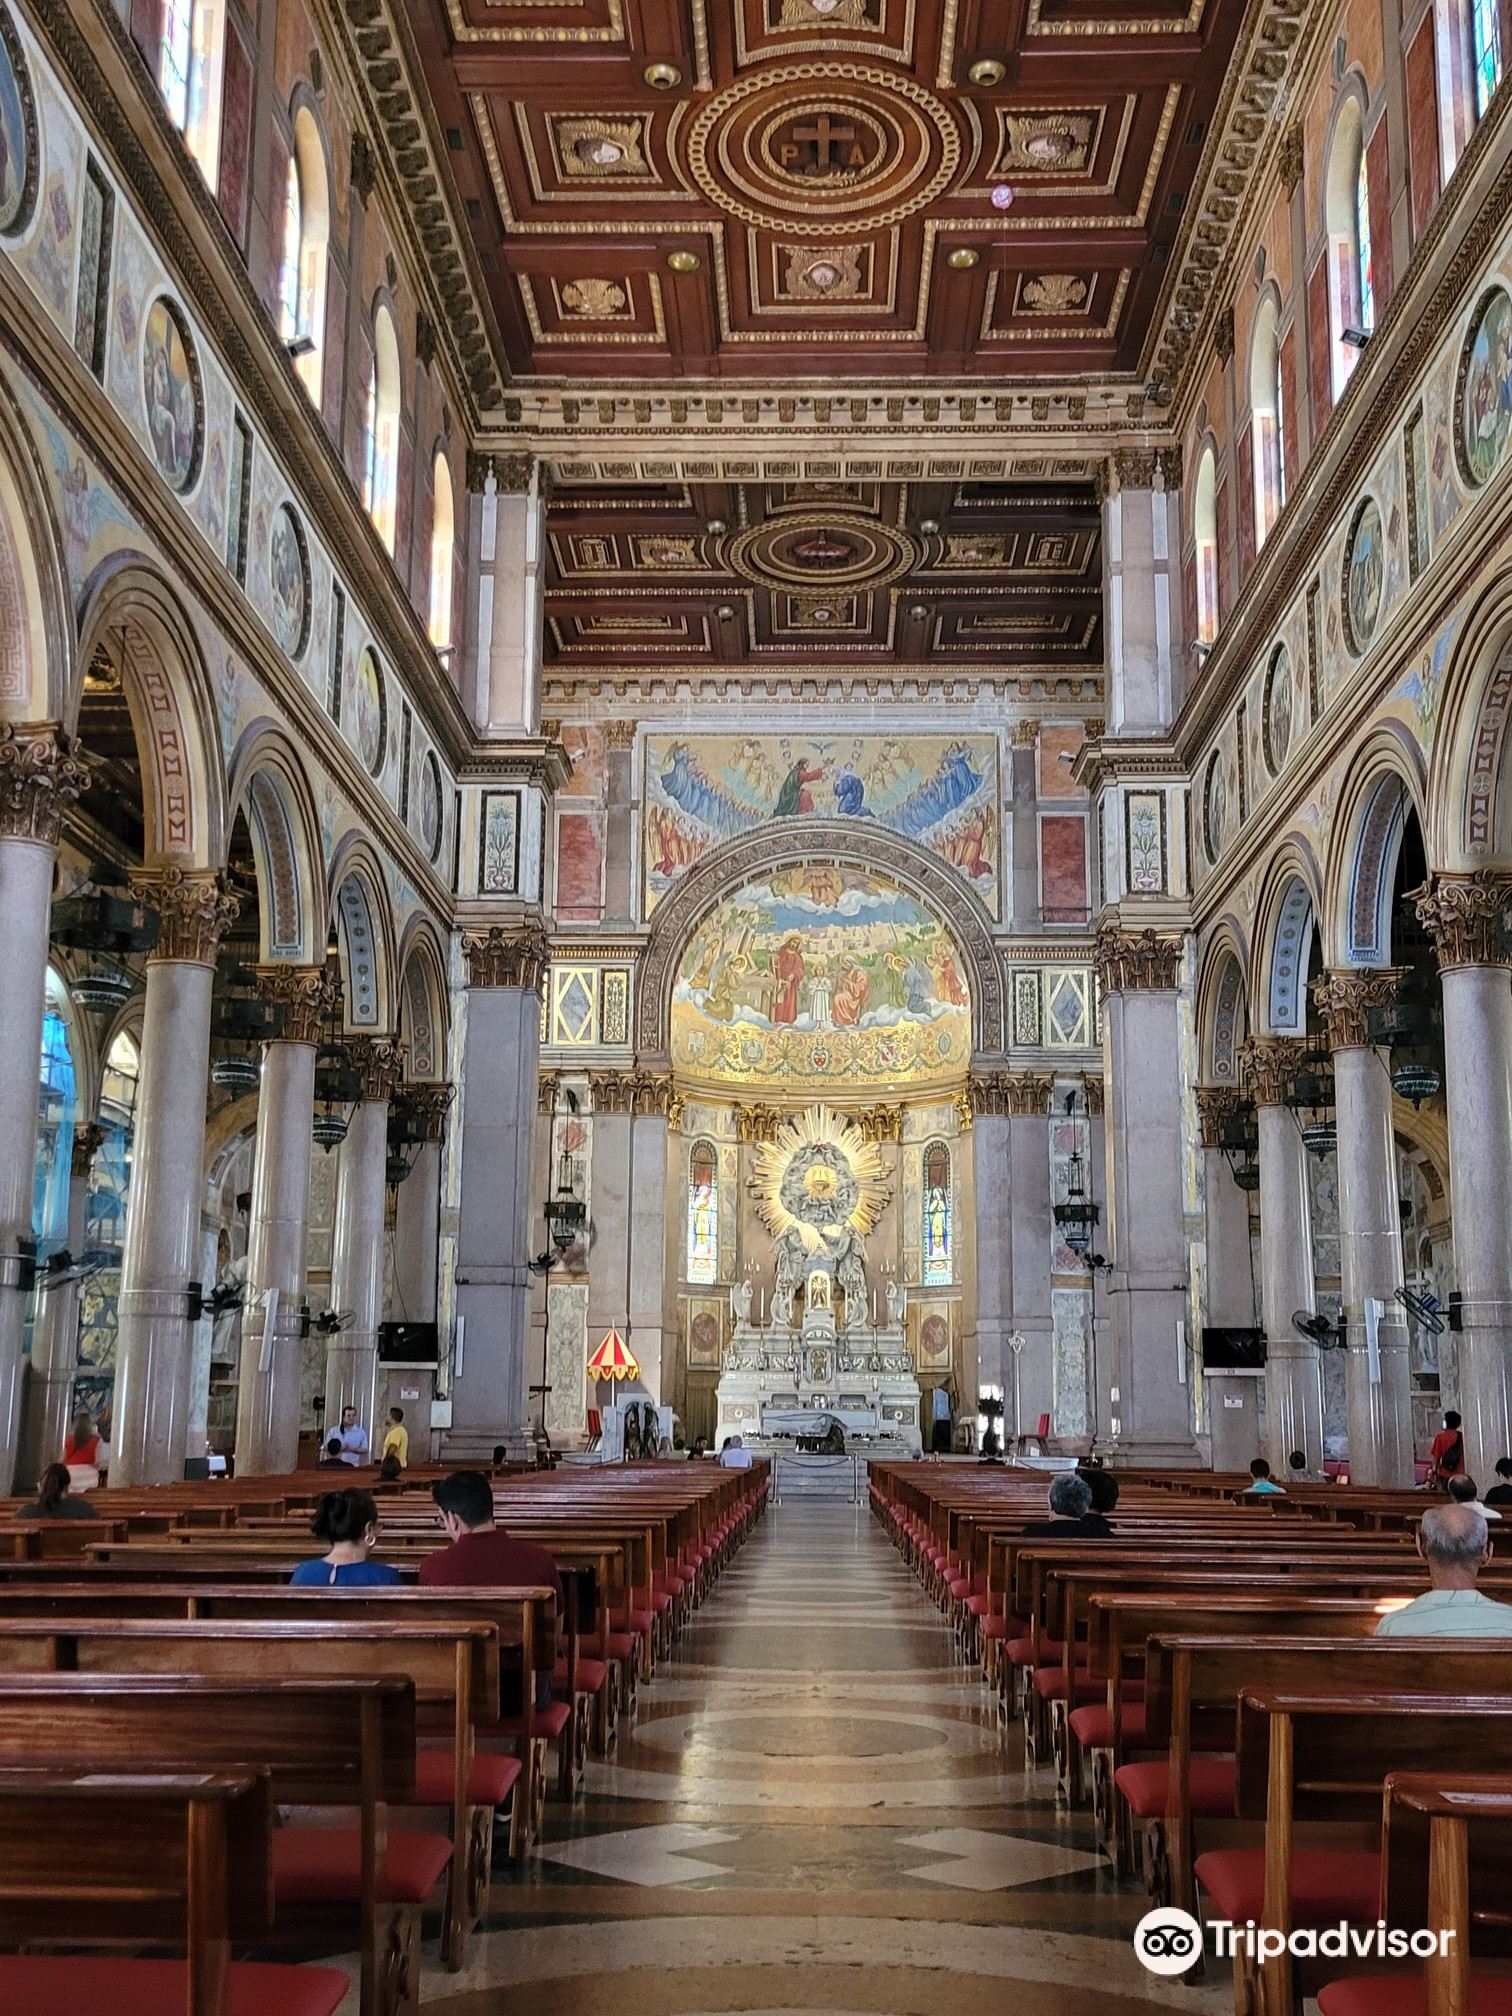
(963,258)
(684,262)
(662,76)
(726,612)
(929,527)
(296,347)
(1355,338)
(715,527)
(986,72)
(918,611)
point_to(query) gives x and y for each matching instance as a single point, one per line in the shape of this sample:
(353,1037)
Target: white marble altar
(782,1381)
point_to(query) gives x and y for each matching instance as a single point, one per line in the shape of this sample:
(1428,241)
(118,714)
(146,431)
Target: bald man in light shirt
(1455,1541)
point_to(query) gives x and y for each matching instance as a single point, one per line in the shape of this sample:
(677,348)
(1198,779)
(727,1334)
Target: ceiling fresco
(824,188)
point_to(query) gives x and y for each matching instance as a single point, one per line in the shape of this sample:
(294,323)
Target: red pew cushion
(994,1627)
(591,1675)
(151,1987)
(1327,1884)
(1092,1725)
(1210,1787)
(323,1865)
(488,1782)
(550,1721)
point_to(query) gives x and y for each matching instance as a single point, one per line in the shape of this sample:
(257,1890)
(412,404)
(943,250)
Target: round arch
(1285,920)
(1386,784)
(269,784)
(1222,1006)
(130,611)
(37,638)
(358,904)
(1469,808)
(815,841)
(422,1001)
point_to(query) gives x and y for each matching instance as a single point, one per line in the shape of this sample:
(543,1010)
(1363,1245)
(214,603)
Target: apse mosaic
(938,790)
(821,977)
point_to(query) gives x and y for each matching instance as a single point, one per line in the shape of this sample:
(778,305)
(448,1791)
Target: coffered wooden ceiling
(879,574)
(809,193)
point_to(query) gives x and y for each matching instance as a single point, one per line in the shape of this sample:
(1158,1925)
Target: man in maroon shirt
(483,1556)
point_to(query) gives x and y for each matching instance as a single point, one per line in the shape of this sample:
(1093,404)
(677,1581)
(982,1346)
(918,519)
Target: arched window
(306,244)
(1351,283)
(190,62)
(443,551)
(105,1213)
(1265,410)
(703,1212)
(1485,50)
(937,1230)
(57,1115)
(380,490)
(1205,526)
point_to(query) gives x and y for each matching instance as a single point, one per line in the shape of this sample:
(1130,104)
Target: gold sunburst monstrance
(819,1177)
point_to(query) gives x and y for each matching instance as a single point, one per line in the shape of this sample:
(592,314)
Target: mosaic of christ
(820,976)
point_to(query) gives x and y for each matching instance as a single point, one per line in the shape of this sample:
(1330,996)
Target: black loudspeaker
(408,1343)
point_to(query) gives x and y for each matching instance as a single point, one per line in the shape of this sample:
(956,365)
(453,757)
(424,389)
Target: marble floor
(815,1811)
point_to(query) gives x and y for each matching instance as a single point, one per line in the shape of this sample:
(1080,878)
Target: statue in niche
(819,1290)
(740,1300)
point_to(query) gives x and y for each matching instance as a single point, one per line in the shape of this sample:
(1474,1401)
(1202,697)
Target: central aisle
(814,1812)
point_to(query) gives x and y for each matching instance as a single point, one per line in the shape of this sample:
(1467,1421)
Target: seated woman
(349,1521)
(53,1500)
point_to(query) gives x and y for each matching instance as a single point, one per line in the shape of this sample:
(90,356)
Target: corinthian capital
(1136,962)
(1463,915)
(499,958)
(430,1104)
(307,997)
(195,909)
(1215,1104)
(42,771)
(1345,997)
(379,1063)
(87,1142)
(1269,1063)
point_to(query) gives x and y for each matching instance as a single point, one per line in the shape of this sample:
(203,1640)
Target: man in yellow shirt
(396,1437)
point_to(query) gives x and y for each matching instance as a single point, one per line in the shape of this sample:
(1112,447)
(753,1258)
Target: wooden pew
(344,1743)
(113,1860)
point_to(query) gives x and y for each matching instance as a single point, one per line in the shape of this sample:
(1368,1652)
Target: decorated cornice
(195,908)
(1105,759)
(1004,1094)
(1268,1064)
(42,772)
(1345,997)
(87,1142)
(1465,916)
(757,1123)
(1136,962)
(534,759)
(507,958)
(1215,1104)
(579,688)
(307,996)
(379,1063)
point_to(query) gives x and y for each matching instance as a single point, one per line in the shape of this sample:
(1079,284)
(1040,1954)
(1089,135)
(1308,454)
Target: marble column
(651,1106)
(267,1396)
(1025,888)
(351,1367)
(503,686)
(1379,1395)
(609,1260)
(1463,913)
(1011,1177)
(417,1214)
(41,773)
(48,1406)
(505,973)
(1145,1146)
(1293,1364)
(1229,1290)
(992,1196)
(1141,591)
(154,1333)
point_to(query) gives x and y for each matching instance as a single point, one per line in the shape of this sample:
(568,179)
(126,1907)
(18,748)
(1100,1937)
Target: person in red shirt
(1446,1458)
(483,1556)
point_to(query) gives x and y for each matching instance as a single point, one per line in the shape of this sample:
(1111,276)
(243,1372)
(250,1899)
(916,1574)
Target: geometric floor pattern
(814,1812)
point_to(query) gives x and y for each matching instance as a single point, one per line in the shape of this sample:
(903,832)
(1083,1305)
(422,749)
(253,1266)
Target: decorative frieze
(42,771)
(1268,1064)
(1345,997)
(1464,916)
(307,997)
(1215,1104)
(500,958)
(195,909)
(1136,962)
(379,1063)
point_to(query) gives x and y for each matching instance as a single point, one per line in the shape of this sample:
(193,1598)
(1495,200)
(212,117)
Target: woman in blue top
(348,1520)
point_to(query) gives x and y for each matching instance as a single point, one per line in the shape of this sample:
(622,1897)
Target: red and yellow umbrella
(614,1359)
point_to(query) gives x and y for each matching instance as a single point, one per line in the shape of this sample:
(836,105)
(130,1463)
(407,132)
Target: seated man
(1073,1517)
(1465,1491)
(1102,1484)
(333,1458)
(735,1455)
(482,1555)
(1455,1542)
(1446,1457)
(1501,1491)
(1262,1484)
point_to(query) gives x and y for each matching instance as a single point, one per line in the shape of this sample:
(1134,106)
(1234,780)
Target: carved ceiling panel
(770,188)
(997,576)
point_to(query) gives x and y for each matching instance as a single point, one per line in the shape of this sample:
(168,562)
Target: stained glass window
(1362,245)
(937,1254)
(190,59)
(288,271)
(703,1213)
(174,59)
(1485,31)
(381,473)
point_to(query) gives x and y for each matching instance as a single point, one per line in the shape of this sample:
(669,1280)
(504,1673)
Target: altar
(779,1383)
